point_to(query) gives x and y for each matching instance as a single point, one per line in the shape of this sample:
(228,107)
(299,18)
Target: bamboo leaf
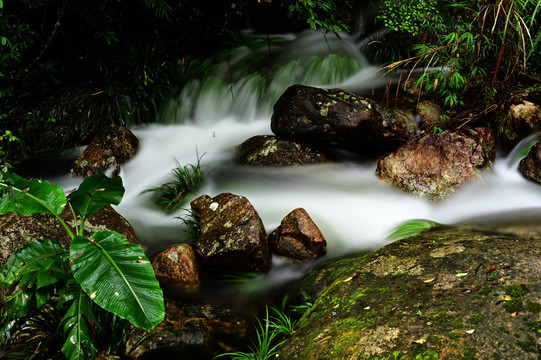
(412,228)
(123,283)
(29,197)
(95,192)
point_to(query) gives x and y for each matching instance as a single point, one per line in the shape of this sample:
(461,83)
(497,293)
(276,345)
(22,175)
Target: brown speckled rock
(177,269)
(112,147)
(298,237)
(435,165)
(233,238)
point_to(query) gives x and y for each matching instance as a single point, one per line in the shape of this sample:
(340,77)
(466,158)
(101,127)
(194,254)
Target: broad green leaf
(43,261)
(411,228)
(34,269)
(80,337)
(29,197)
(118,277)
(96,192)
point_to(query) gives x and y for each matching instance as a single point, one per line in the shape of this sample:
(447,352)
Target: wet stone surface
(453,293)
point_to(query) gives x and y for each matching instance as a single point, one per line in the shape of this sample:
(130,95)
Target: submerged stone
(267,150)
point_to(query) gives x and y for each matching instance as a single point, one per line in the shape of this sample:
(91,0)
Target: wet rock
(429,114)
(177,269)
(434,166)
(267,150)
(17,230)
(233,238)
(190,332)
(336,118)
(106,152)
(520,121)
(530,166)
(298,237)
(453,293)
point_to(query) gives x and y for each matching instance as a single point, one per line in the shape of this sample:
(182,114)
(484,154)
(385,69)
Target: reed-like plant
(191,221)
(172,195)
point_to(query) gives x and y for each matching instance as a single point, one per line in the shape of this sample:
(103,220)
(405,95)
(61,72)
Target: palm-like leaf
(96,192)
(123,283)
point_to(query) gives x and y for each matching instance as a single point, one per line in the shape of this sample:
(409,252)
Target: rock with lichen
(106,152)
(435,165)
(268,150)
(337,118)
(530,166)
(233,238)
(449,293)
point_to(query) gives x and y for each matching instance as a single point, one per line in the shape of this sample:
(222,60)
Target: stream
(353,208)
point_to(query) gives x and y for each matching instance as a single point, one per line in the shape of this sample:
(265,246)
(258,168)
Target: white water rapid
(353,209)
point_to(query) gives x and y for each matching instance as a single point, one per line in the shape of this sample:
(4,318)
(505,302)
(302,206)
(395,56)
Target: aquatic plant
(411,228)
(191,221)
(172,195)
(99,274)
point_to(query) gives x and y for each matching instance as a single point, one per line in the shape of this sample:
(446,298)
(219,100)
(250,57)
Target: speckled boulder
(298,237)
(435,165)
(267,150)
(530,166)
(336,118)
(233,238)
(177,269)
(453,293)
(106,152)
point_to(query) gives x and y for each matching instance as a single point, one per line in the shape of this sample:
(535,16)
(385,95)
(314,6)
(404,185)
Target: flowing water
(353,208)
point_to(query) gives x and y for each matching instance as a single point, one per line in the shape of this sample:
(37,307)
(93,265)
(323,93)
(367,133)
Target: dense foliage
(75,300)
(462,51)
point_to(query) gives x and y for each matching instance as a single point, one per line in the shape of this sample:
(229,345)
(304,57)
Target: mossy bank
(450,293)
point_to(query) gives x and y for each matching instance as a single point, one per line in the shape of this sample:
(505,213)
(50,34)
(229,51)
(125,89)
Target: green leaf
(123,283)
(96,192)
(412,228)
(29,197)
(79,342)
(34,270)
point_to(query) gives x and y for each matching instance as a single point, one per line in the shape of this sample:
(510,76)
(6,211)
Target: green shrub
(99,274)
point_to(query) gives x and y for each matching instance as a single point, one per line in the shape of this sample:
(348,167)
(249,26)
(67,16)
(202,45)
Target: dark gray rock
(336,118)
(267,150)
(530,166)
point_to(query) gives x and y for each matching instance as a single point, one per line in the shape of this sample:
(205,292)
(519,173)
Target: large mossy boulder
(435,165)
(337,118)
(452,293)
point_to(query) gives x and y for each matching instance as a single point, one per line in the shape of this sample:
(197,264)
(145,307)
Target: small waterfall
(352,207)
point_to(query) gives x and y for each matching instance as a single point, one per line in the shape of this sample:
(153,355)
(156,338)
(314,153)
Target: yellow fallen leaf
(461,274)
(506,297)
(470,331)
(348,279)
(420,341)
(429,280)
